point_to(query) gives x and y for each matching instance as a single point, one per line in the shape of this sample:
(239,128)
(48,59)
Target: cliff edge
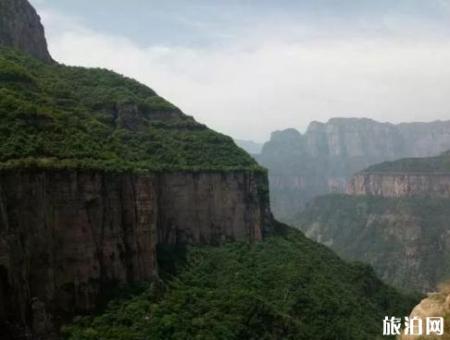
(410,177)
(96,171)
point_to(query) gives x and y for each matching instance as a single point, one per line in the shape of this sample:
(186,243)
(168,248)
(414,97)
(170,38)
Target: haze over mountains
(323,159)
(109,194)
(396,217)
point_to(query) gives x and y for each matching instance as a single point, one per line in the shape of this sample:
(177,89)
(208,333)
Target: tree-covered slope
(438,164)
(57,116)
(286,287)
(406,240)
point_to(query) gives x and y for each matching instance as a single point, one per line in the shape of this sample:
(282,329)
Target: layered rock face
(406,240)
(211,208)
(396,218)
(67,237)
(96,171)
(323,159)
(21,28)
(400,184)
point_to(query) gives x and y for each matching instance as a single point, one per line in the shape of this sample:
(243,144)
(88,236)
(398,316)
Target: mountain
(21,28)
(103,183)
(396,218)
(428,177)
(250,146)
(96,171)
(321,161)
(286,287)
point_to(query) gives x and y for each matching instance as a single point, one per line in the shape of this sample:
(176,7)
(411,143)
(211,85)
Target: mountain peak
(21,28)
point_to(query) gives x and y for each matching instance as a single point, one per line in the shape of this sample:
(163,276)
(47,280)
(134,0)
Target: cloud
(274,76)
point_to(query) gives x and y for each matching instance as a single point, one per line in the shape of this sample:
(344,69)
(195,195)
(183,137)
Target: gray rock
(21,28)
(323,159)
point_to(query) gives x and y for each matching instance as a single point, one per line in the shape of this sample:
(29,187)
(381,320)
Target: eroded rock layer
(400,184)
(68,237)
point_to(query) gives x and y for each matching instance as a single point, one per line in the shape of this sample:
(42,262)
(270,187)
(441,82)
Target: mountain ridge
(323,159)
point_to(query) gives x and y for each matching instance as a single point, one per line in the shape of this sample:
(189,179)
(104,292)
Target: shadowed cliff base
(284,287)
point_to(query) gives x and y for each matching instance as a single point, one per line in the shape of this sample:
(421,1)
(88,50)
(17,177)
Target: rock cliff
(321,161)
(21,28)
(406,240)
(429,176)
(396,217)
(96,171)
(400,184)
(67,237)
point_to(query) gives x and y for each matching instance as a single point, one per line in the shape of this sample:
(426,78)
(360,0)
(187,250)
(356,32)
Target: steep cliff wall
(408,177)
(321,161)
(21,28)
(210,208)
(397,218)
(400,184)
(67,237)
(406,240)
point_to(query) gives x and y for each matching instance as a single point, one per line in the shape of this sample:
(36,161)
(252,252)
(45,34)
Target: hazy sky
(247,67)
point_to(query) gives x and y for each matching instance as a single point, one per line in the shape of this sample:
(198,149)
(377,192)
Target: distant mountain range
(396,217)
(250,146)
(304,166)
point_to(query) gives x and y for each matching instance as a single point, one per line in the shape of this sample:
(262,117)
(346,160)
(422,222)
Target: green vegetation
(428,164)
(54,116)
(287,287)
(404,239)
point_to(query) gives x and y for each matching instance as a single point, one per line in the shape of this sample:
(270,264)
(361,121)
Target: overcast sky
(247,67)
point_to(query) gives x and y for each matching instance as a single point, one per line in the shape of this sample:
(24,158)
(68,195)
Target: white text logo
(413,326)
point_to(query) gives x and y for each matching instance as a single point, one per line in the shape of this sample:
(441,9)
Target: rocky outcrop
(400,184)
(21,28)
(435,305)
(68,237)
(321,161)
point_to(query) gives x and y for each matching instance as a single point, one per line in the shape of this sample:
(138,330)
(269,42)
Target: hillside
(285,287)
(96,172)
(437,164)
(406,240)
(54,116)
(323,159)
(102,181)
(105,170)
